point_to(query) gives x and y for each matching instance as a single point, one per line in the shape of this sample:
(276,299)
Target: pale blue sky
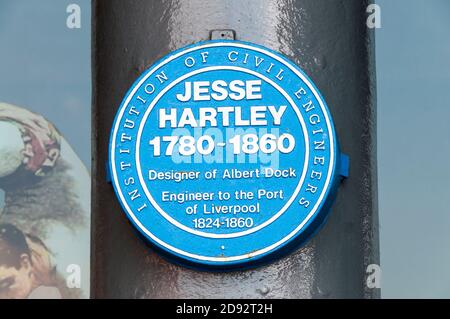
(46,67)
(413,78)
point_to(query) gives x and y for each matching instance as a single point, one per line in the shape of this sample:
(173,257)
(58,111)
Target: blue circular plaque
(223,154)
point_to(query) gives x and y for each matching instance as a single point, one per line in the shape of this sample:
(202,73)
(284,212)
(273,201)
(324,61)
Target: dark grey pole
(326,38)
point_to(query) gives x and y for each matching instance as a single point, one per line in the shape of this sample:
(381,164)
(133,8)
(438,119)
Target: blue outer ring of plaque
(296,239)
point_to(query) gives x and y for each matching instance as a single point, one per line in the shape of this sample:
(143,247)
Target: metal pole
(326,38)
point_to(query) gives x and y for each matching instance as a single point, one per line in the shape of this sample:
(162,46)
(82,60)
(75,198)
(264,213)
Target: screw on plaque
(226,34)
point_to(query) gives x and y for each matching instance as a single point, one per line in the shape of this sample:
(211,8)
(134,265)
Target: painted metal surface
(327,39)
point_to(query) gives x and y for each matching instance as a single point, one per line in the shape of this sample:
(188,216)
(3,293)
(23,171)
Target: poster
(44,151)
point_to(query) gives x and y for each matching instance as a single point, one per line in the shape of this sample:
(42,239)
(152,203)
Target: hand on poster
(41,139)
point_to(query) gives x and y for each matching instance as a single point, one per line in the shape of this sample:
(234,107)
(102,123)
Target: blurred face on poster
(26,268)
(16,273)
(16,283)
